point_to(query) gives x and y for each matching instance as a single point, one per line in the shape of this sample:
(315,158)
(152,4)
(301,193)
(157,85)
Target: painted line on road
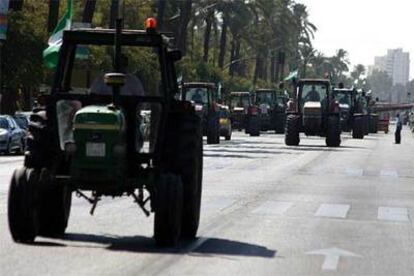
(333,210)
(354,172)
(273,208)
(332,256)
(393,214)
(389,173)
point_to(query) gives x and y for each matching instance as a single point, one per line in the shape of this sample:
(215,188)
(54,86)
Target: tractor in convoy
(313,111)
(271,109)
(351,119)
(244,115)
(89,140)
(204,97)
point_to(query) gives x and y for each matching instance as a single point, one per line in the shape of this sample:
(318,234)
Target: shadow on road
(321,148)
(258,151)
(241,156)
(141,244)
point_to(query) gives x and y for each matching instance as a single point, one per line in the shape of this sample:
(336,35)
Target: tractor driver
(313,95)
(197,98)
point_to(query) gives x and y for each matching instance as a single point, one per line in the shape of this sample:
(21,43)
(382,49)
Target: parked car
(22,120)
(12,137)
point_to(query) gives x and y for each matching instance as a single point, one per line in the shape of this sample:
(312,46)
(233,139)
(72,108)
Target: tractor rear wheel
(184,157)
(254,126)
(358,128)
(168,210)
(292,130)
(333,135)
(213,131)
(22,206)
(280,123)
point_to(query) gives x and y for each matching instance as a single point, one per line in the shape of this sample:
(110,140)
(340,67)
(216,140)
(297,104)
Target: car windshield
(314,92)
(4,123)
(197,95)
(21,122)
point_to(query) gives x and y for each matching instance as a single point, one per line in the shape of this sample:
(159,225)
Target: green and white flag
(292,75)
(51,54)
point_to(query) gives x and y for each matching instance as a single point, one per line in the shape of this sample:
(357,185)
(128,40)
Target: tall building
(397,65)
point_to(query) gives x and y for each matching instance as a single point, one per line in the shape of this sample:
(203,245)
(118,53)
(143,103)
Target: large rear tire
(22,206)
(168,210)
(292,130)
(254,126)
(184,157)
(213,131)
(280,123)
(333,135)
(358,128)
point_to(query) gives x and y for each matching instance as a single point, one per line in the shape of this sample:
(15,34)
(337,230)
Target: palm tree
(304,29)
(340,63)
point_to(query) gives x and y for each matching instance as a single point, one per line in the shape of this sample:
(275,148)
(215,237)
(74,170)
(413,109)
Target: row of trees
(243,43)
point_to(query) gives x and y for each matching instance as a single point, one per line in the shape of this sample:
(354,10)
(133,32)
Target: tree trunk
(89,11)
(185,17)
(257,69)
(53,14)
(273,68)
(223,42)
(232,56)
(237,56)
(207,34)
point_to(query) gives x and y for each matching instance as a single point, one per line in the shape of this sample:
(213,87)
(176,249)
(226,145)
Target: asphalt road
(267,209)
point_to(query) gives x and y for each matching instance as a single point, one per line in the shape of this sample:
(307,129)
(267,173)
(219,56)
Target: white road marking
(354,172)
(332,256)
(332,210)
(389,173)
(393,214)
(273,208)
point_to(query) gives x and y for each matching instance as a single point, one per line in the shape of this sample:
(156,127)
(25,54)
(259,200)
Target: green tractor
(123,134)
(314,111)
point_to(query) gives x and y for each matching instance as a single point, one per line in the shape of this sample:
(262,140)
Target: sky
(364,28)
